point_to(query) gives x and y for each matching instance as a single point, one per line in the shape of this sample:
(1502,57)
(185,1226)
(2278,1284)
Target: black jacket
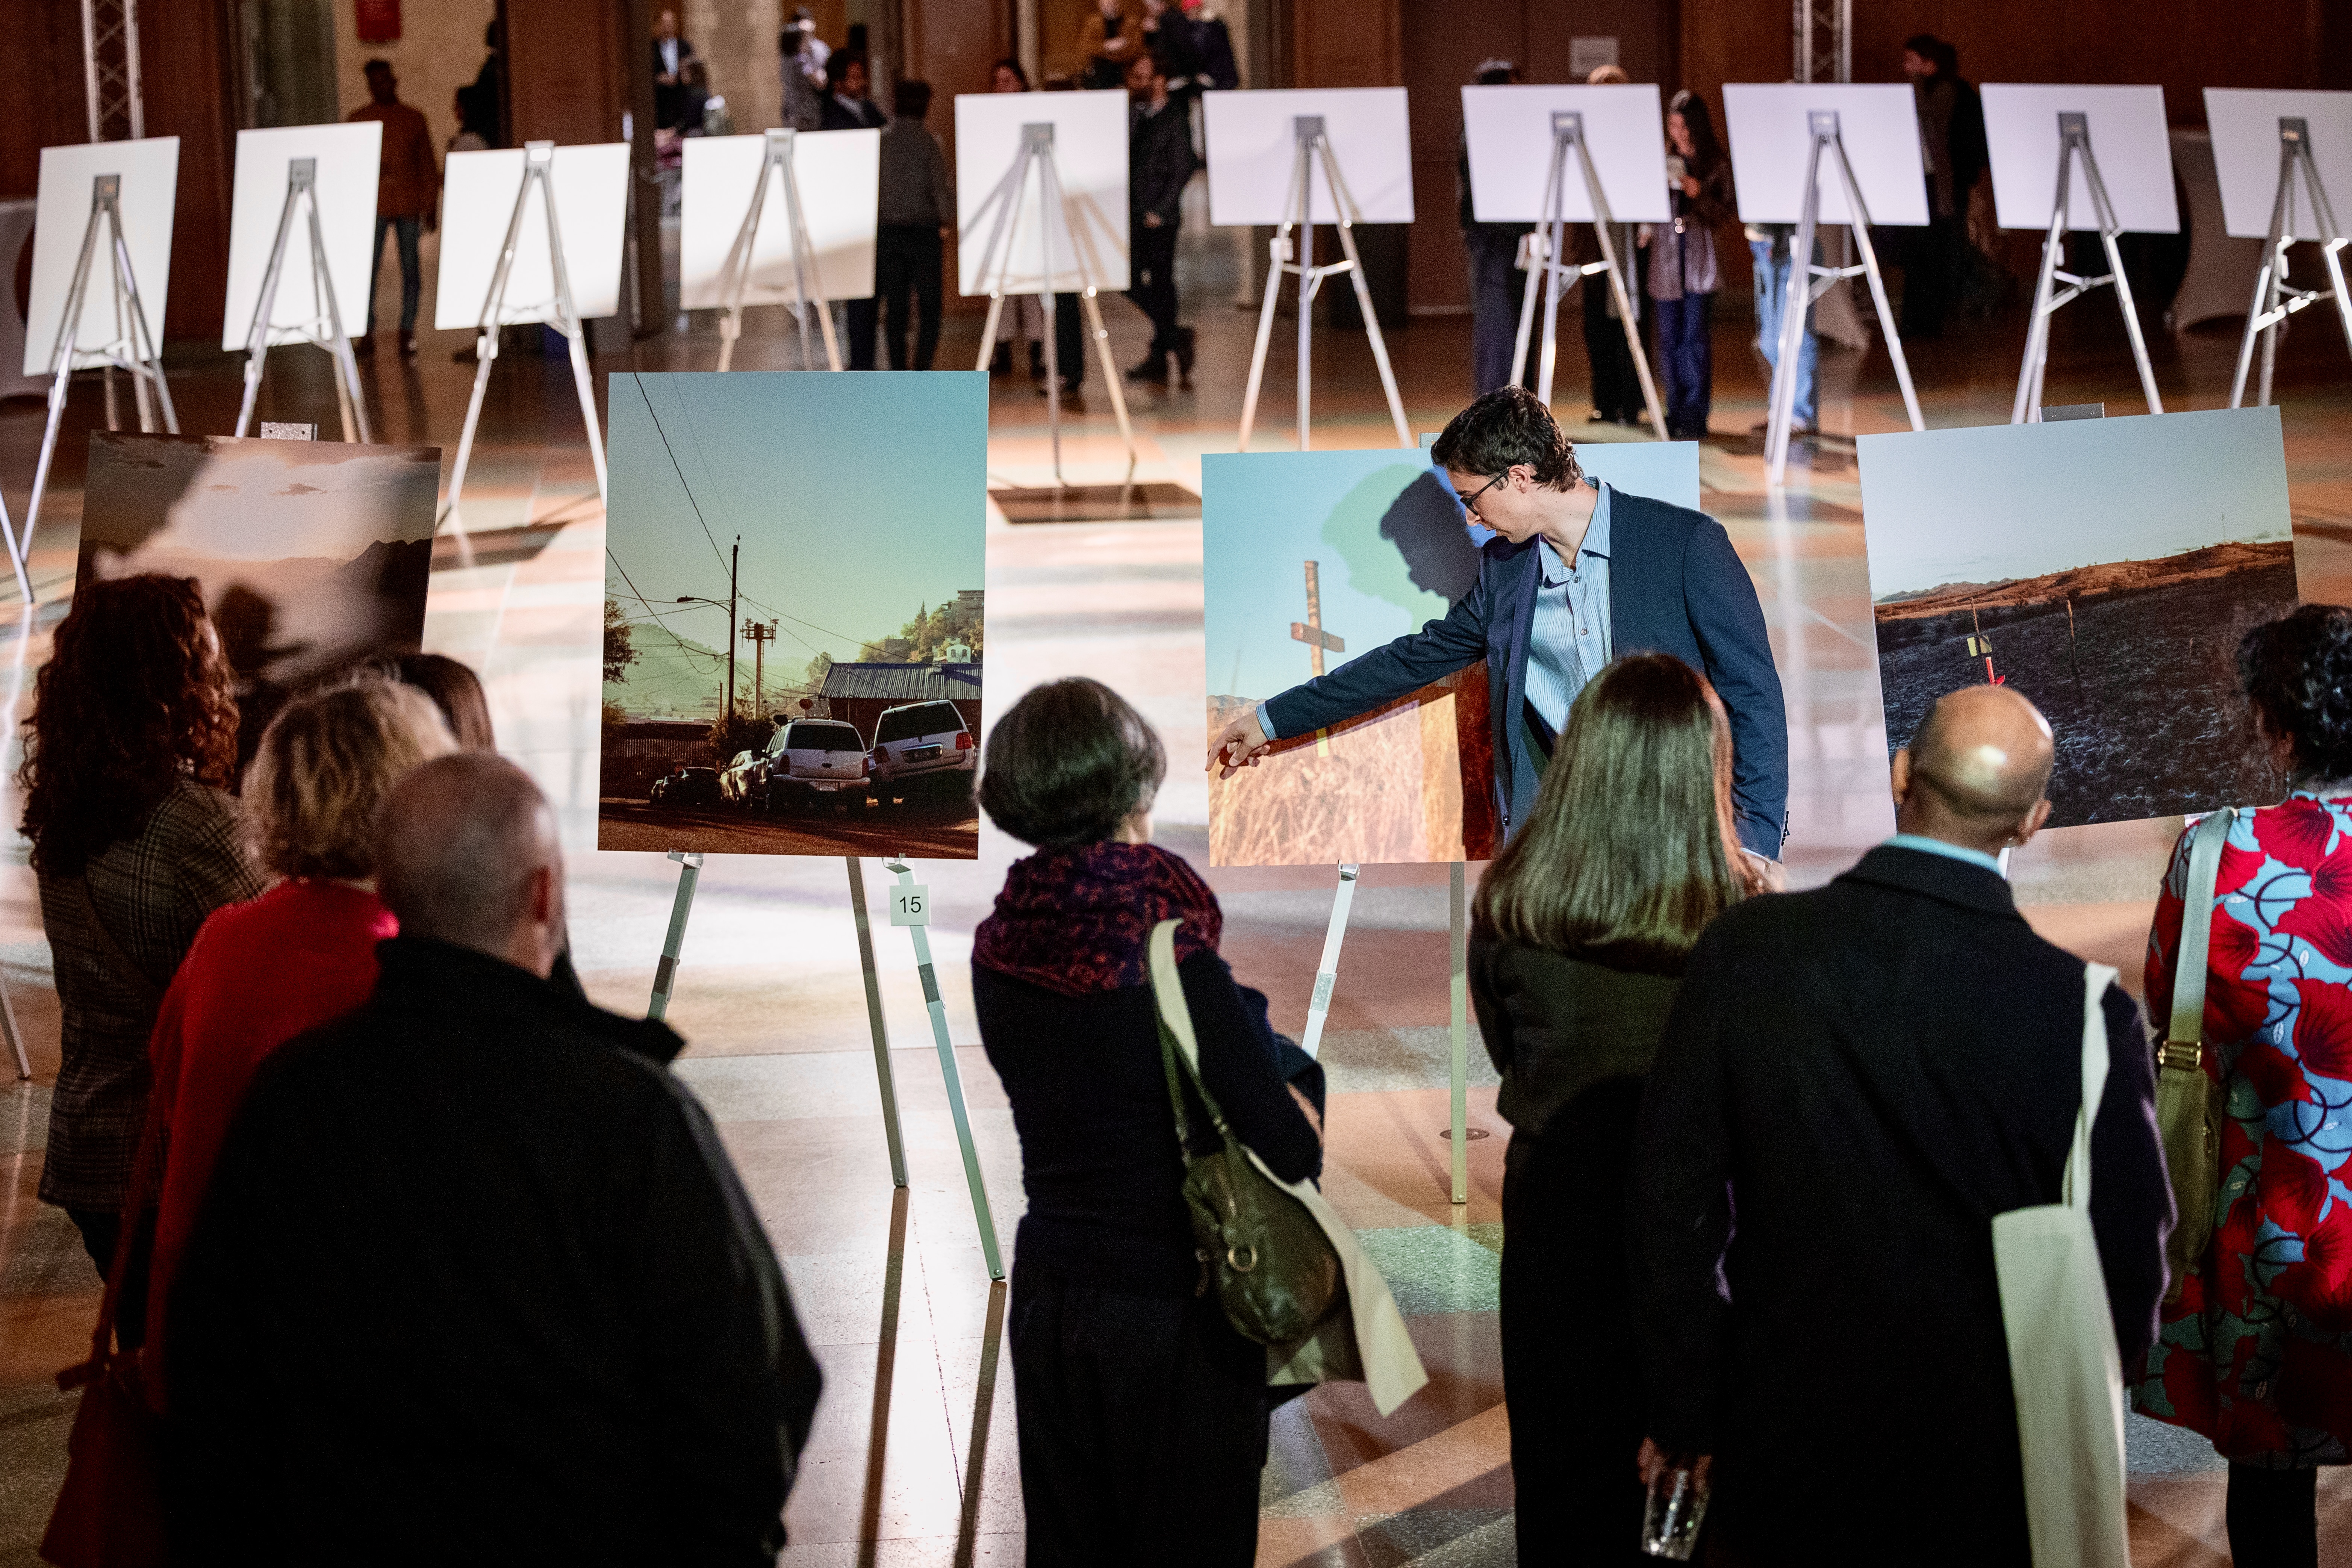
(476,1284)
(838,116)
(1159,163)
(1865,1075)
(1557,1027)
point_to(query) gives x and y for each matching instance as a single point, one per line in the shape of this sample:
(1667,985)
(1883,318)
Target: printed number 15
(910,905)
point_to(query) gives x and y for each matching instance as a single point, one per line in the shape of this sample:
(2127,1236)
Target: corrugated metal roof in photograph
(902,682)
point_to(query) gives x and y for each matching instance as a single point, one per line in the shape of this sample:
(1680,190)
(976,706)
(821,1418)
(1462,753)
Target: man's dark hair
(1071,762)
(1508,426)
(375,65)
(836,69)
(1927,45)
(911,101)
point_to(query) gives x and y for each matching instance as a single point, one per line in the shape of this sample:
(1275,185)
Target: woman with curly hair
(131,749)
(2256,1351)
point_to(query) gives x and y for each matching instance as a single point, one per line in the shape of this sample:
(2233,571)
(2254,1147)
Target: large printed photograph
(793,614)
(2105,568)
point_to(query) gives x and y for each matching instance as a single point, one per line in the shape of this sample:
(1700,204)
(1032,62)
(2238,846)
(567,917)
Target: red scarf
(1078,921)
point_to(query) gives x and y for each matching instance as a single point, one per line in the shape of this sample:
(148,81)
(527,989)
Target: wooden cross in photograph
(1310,632)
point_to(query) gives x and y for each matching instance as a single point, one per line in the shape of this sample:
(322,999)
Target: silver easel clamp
(131,349)
(1539,253)
(538,165)
(2073,142)
(735,277)
(1809,280)
(1297,260)
(1037,153)
(324,330)
(2274,297)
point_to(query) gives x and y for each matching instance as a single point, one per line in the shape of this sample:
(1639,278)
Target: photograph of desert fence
(792,613)
(2114,598)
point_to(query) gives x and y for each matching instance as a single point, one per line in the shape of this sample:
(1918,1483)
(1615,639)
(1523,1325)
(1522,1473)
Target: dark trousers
(1154,292)
(2273,1518)
(1616,386)
(860,319)
(412,274)
(1496,288)
(1143,1428)
(1930,274)
(1070,340)
(101,1235)
(907,262)
(1687,355)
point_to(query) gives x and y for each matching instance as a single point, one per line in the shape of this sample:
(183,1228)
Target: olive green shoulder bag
(2187,1110)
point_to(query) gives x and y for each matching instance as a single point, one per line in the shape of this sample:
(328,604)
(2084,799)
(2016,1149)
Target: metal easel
(324,329)
(2075,140)
(1314,148)
(538,165)
(1038,153)
(1540,248)
(2274,297)
(1809,280)
(937,1008)
(735,277)
(131,349)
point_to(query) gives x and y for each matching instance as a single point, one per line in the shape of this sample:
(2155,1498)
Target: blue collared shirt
(1951,851)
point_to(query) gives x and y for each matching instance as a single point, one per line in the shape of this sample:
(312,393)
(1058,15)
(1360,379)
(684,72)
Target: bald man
(475,1282)
(1863,1075)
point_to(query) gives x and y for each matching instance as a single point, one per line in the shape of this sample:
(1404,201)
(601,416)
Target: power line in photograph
(678,471)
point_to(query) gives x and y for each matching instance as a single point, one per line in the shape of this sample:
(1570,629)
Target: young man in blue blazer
(1577,573)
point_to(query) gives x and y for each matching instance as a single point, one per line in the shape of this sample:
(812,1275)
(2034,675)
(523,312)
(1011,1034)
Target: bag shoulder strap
(1176,1038)
(2205,844)
(2075,1187)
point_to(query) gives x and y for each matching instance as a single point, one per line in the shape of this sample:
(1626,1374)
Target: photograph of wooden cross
(1310,631)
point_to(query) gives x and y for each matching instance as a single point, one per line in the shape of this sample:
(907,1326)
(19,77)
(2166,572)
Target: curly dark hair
(2296,671)
(1508,426)
(135,697)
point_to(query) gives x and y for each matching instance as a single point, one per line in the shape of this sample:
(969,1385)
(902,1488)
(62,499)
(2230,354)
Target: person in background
(673,110)
(1952,142)
(1865,1074)
(1616,386)
(802,55)
(472,135)
(490,86)
(475,1267)
(1581,929)
(1161,161)
(1167,40)
(408,195)
(299,955)
(917,212)
(1110,43)
(1142,1413)
(848,108)
(2252,1354)
(1683,275)
(1768,245)
(1498,285)
(455,689)
(1071,343)
(1210,48)
(128,759)
(1022,322)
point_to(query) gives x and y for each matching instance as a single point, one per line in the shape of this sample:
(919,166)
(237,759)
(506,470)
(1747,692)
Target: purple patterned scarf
(1078,921)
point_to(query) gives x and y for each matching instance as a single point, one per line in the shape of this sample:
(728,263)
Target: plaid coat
(153,889)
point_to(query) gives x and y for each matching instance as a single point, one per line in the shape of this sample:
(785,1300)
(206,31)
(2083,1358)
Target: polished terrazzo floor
(913,1460)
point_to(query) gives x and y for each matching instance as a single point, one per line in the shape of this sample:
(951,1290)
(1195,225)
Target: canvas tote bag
(2062,1362)
(1366,1343)
(2188,1106)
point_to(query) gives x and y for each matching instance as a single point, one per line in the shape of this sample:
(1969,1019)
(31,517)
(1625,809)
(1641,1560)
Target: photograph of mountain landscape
(2114,598)
(314,555)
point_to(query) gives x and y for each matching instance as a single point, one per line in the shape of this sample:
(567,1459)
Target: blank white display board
(1089,160)
(150,170)
(1509,135)
(839,176)
(2245,126)
(1254,142)
(1771,140)
(2130,138)
(592,199)
(349,156)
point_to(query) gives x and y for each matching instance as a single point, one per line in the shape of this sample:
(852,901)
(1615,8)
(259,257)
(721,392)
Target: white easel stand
(1038,153)
(131,350)
(1314,148)
(2074,142)
(539,160)
(776,158)
(2274,297)
(324,329)
(1539,252)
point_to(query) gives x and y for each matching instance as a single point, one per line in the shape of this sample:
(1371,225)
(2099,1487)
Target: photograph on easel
(794,623)
(2114,598)
(314,555)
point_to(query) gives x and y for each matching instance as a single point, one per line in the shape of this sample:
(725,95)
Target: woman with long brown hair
(132,748)
(1581,926)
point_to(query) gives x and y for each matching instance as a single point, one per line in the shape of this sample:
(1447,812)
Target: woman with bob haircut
(301,954)
(1581,929)
(1142,1413)
(128,759)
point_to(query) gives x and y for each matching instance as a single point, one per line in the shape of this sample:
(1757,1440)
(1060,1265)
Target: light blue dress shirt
(1949,851)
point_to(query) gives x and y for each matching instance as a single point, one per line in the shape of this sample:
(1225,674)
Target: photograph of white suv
(922,748)
(813,761)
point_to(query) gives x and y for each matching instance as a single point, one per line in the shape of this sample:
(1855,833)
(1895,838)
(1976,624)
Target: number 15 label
(910,905)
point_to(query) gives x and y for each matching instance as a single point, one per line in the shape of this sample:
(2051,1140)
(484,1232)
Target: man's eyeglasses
(1470,502)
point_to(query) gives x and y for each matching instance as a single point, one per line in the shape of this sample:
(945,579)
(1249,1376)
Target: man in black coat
(475,1282)
(1161,161)
(1853,1082)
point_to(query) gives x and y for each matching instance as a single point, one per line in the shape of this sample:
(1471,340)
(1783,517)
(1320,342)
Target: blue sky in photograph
(1998,501)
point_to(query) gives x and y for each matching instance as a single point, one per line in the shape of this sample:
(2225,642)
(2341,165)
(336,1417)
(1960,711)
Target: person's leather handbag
(2187,1110)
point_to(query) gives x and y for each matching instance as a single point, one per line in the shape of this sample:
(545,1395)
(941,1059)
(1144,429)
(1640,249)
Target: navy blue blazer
(1675,585)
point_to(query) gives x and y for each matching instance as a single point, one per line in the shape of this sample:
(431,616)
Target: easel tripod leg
(954,1079)
(882,1074)
(1458,944)
(1326,972)
(690,872)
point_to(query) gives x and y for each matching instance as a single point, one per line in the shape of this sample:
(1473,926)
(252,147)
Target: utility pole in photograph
(733,561)
(761,635)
